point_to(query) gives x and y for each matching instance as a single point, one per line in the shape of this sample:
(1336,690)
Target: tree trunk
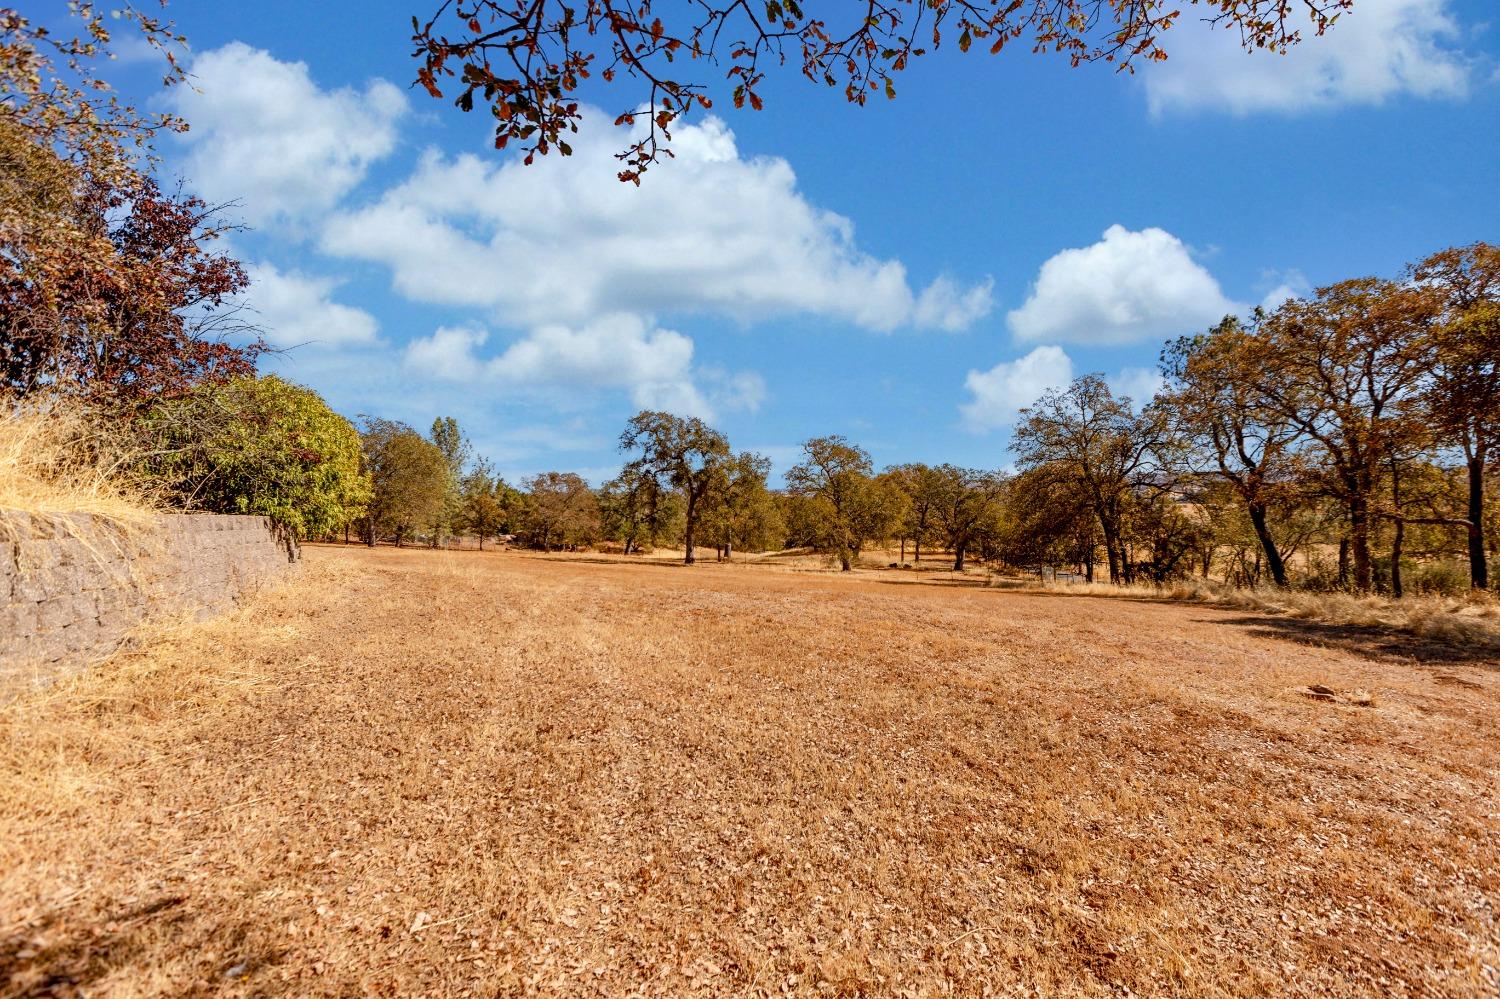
(845,565)
(1112,556)
(958,557)
(1268,544)
(1479,571)
(1359,544)
(729,551)
(1396,543)
(903,551)
(916,545)
(687,533)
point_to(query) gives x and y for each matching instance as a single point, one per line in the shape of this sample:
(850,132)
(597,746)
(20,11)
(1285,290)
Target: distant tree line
(1343,440)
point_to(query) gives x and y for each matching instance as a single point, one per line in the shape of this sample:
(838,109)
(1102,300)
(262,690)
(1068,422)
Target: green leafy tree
(742,514)
(966,503)
(681,452)
(638,510)
(483,506)
(457,451)
(923,487)
(561,511)
(1044,522)
(1165,536)
(843,506)
(261,446)
(877,512)
(408,477)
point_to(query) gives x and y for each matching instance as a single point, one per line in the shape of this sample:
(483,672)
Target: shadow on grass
(1382,644)
(977,583)
(634,562)
(63,955)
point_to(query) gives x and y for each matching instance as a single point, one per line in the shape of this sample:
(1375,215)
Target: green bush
(1445,578)
(261,446)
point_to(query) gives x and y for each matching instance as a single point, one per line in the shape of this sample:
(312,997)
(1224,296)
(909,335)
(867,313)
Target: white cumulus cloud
(618,351)
(264,134)
(998,395)
(1129,286)
(448,355)
(709,231)
(1290,284)
(1139,384)
(1001,392)
(294,309)
(1377,50)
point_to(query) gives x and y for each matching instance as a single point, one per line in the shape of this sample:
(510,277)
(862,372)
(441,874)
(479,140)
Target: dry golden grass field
(424,773)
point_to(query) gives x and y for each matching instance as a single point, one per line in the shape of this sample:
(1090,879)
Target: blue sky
(907,274)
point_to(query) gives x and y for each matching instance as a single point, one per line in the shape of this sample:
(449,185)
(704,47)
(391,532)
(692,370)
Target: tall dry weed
(1471,621)
(60,458)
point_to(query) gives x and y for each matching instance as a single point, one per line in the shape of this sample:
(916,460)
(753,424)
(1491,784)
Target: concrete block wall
(71,589)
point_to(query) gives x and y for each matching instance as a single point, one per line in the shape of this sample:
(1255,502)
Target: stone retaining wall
(70,590)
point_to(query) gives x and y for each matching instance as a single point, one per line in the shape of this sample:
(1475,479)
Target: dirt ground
(436,773)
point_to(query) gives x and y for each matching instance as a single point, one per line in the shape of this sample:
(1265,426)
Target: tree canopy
(528,59)
(54,93)
(111,285)
(845,505)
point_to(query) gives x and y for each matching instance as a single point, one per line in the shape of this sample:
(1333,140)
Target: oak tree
(484,502)
(1212,400)
(1344,368)
(966,501)
(923,487)
(638,510)
(1045,522)
(681,452)
(742,513)
(561,511)
(1099,450)
(1464,394)
(407,477)
(844,507)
